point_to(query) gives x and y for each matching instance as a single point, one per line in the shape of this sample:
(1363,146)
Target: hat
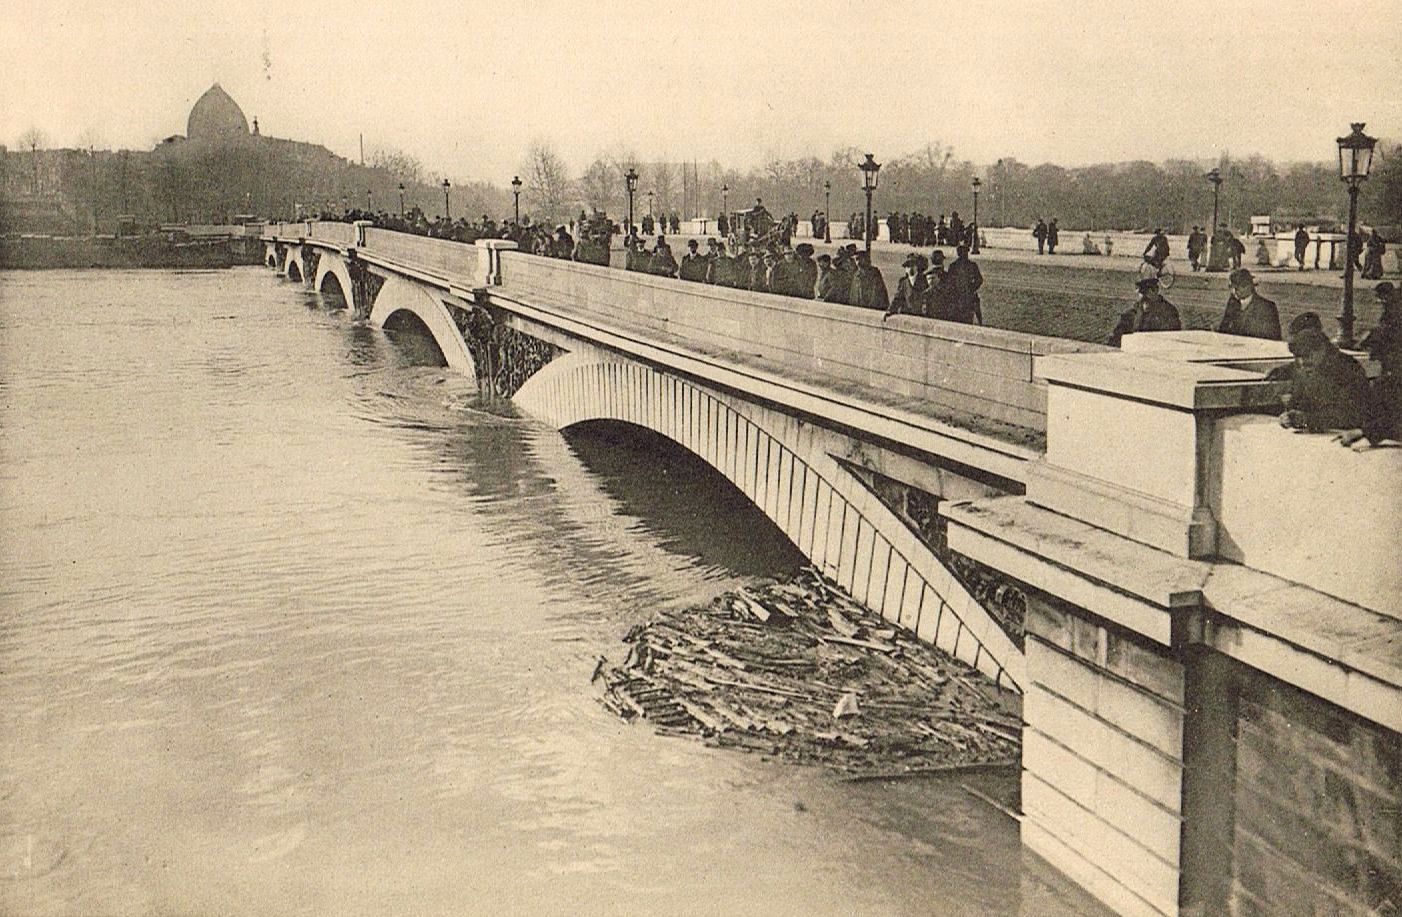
(937,255)
(1305,320)
(910,260)
(825,259)
(1239,276)
(804,248)
(1148,283)
(1384,289)
(691,243)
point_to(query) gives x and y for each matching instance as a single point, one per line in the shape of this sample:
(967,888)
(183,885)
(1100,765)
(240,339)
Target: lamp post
(649,203)
(447,211)
(516,193)
(725,201)
(870,182)
(630,179)
(1355,160)
(401,200)
(973,248)
(1215,177)
(369,200)
(345,205)
(827,210)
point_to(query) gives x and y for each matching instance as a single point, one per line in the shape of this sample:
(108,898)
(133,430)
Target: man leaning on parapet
(1248,313)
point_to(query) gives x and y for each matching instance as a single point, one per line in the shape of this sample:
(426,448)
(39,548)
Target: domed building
(216,117)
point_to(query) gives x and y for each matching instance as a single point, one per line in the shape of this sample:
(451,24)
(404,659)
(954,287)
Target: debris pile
(801,672)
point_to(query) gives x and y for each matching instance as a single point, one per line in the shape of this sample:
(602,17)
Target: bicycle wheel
(1166,276)
(1147,270)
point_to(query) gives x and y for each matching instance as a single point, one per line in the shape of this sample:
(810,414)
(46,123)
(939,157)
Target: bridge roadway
(1211,668)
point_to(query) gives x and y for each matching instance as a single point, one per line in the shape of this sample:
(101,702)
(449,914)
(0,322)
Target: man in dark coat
(1373,261)
(806,272)
(1156,252)
(937,287)
(1329,390)
(1151,312)
(910,289)
(1039,232)
(663,263)
(964,279)
(1302,244)
(1053,236)
(693,266)
(868,286)
(956,229)
(1248,313)
(835,281)
(723,225)
(1384,345)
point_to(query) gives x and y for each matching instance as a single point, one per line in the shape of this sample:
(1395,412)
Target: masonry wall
(1318,806)
(1102,757)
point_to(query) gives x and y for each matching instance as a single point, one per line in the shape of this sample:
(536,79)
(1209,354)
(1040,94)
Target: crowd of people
(927,287)
(1328,389)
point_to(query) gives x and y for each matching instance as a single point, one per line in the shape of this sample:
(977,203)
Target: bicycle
(1162,273)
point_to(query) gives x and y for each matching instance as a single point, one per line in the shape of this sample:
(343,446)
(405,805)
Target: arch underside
(402,295)
(775,460)
(329,265)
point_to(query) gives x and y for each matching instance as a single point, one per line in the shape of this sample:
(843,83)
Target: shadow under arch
(330,288)
(779,463)
(413,337)
(705,514)
(294,273)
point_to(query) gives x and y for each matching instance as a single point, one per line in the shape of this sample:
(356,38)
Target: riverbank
(147,251)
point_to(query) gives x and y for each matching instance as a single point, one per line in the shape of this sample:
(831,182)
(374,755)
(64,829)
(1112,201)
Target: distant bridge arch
(777,461)
(399,295)
(334,280)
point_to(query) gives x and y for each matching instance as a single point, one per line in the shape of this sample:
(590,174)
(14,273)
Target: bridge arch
(294,267)
(402,295)
(777,462)
(333,279)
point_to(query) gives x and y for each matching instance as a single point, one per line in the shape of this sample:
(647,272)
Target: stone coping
(1216,598)
(1154,379)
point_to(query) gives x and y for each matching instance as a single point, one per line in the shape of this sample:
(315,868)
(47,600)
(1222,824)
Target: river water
(291,624)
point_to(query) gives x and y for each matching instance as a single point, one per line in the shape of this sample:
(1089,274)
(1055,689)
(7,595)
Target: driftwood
(800,671)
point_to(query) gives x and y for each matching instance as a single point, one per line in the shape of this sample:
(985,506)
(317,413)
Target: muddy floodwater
(293,624)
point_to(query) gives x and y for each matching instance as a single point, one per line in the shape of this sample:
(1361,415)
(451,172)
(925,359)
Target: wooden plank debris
(800,671)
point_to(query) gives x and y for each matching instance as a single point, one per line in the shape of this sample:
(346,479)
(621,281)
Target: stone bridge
(1206,634)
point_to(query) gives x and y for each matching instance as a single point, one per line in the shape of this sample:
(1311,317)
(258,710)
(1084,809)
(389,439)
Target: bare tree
(398,163)
(662,176)
(35,140)
(600,186)
(547,181)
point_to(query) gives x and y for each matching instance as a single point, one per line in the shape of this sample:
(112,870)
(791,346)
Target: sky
(466,86)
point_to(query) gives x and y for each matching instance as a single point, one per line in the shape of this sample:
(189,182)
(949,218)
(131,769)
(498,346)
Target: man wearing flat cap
(1248,313)
(1150,313)
(806,273)
(693,265)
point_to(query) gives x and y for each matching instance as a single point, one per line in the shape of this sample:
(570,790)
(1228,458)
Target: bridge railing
(337,233)
(440,257)
(982,373)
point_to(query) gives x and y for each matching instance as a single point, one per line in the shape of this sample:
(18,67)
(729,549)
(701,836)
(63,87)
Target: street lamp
(630,179)
(870,182)
(649,203)
(725,201)
(447,211)
(1215,177)
(973,249)
(827,208)
(401,200)
(1355,160)
(516,192)
(369,201)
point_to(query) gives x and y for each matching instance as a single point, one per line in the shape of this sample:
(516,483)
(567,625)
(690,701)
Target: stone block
(1106,887)
(1136,867)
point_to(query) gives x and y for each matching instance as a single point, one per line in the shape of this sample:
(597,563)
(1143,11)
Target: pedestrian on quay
(1248,313)
(1302,244)
(1053,236)
(937,287)
(1039,232)
(1150,312)
(1197,241)
(693,264)
(1373,260)
(1384,346)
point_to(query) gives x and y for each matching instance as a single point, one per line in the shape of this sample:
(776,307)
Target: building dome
(216,116)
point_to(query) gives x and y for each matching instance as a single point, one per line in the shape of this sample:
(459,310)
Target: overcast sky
(466,85)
